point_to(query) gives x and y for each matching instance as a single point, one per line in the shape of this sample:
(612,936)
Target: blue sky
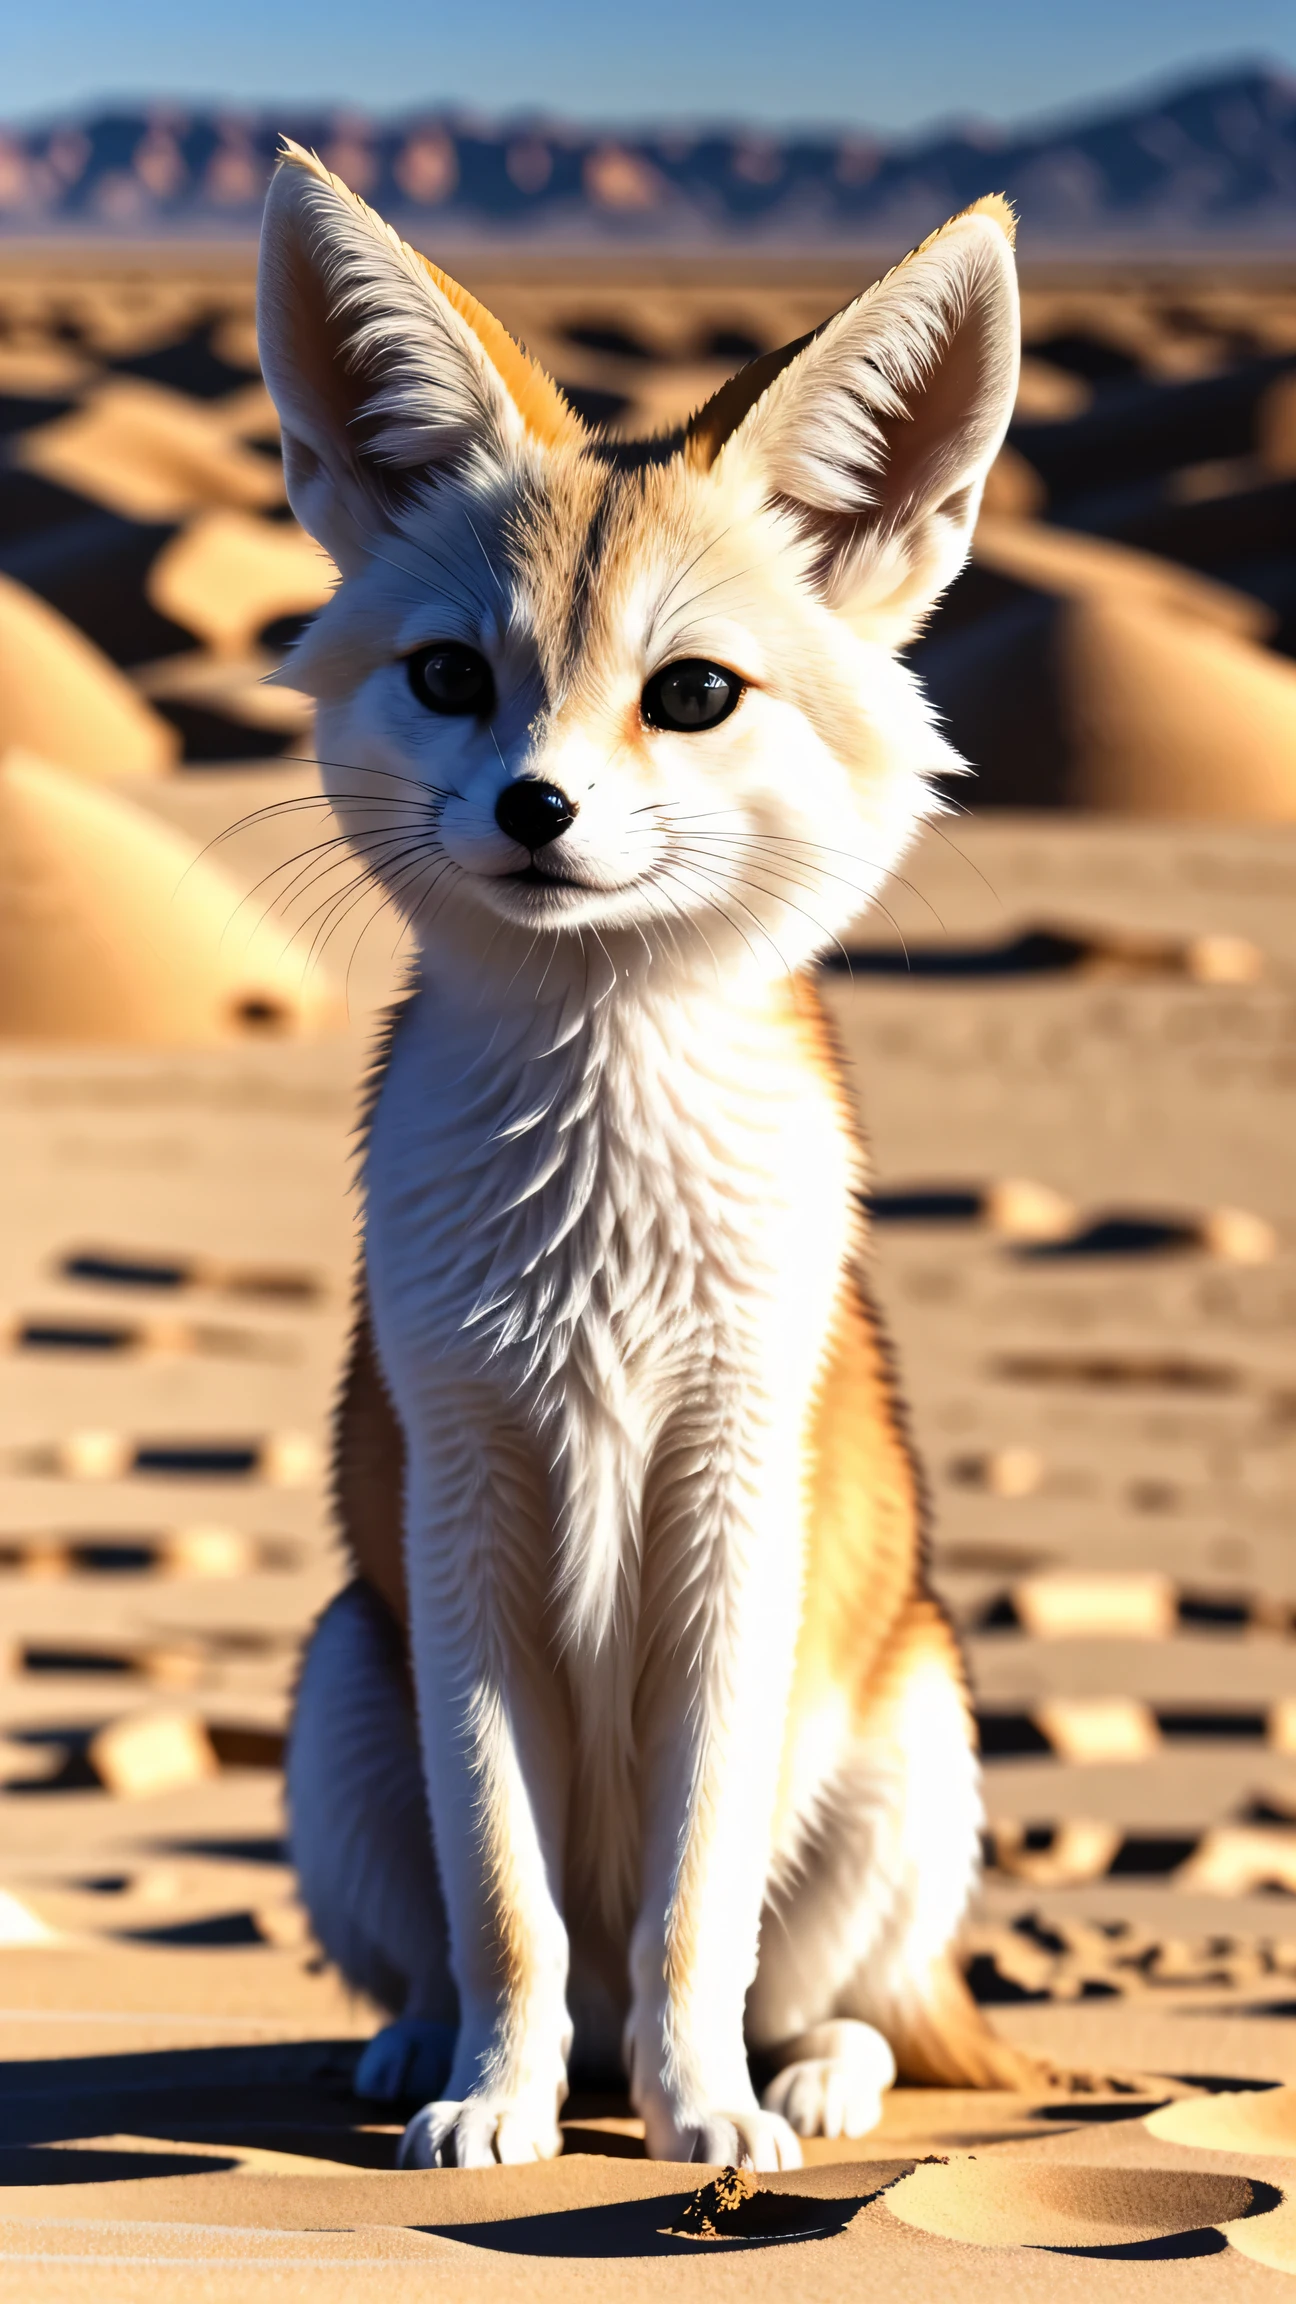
(893,67)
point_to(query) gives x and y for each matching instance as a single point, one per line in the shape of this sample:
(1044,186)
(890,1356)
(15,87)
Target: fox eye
(690,695)
(447,677)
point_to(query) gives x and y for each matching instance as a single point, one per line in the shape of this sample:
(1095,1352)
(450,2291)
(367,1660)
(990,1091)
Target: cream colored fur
(612,1212)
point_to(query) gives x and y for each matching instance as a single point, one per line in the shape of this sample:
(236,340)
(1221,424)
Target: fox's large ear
(384,371)
(878,430)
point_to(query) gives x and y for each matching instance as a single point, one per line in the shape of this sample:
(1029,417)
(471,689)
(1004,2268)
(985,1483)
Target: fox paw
(754,2139)
(478,2133)
(833,2083)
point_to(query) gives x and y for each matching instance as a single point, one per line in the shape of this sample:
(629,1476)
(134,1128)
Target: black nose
(533,814)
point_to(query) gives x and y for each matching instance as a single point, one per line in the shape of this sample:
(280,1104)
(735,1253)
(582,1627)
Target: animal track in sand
(1235,2120)
(1035,2204)
(1242,2121)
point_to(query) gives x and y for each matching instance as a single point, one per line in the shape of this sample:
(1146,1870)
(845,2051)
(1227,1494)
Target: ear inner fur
(547,415)
(544,412)
(710,427)
(719,418)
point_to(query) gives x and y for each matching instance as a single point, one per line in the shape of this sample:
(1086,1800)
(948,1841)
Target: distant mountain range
(1212,164)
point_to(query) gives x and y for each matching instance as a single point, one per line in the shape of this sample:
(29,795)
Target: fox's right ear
(384,371)
(876,433)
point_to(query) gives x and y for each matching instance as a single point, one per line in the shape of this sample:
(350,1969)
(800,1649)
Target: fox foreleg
(494,1742)
(715,1710)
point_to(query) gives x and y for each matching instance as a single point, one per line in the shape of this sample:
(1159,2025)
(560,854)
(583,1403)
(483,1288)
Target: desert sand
(1072,1044)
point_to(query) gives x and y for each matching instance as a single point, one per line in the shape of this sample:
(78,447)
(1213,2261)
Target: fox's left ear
(877,431)
(385,372)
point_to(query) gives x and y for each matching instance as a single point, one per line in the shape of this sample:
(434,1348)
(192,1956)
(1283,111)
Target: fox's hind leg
(916,1743)
(855,1979)
(362,1843)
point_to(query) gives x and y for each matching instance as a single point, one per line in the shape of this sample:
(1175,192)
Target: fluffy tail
(941,2039)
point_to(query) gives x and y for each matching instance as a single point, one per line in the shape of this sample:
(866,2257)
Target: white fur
(623,1271)
(609,1214)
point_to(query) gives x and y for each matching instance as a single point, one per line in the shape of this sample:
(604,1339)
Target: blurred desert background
(1073,1037)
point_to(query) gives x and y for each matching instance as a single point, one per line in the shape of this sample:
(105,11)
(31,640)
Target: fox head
(645,691)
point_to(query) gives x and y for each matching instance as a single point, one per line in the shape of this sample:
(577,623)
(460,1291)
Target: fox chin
(637,1743)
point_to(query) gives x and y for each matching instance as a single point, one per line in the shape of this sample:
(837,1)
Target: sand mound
(1030,2204)
(1076,567)
(114,928)
(1242,2121)
(228,575)
(232,686)
(1269,2239)
(150,454)
(1177,722)
(1099,679)
(1013,489)
(59,696)
(1276,427)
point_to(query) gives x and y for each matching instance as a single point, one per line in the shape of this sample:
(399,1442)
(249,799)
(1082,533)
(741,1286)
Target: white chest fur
(566,1190)
(626,1225)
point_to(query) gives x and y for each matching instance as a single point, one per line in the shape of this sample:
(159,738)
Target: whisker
(700,817)
(362,879)
(740,931)
(779,898)
(735,576)
(458,575)
(385,897)
(393,867)
(972,867)
(781,958)
(450,872)
(299,800)
(490,566)
(496,742)
(807,887)
(802,863)
(687,570)
(399,875)
(557,939)
(372,865)
(312,861)
(874,901)
(305,861)
(612,974)
(334,910)
(690,925)
(535,938)
(390,775)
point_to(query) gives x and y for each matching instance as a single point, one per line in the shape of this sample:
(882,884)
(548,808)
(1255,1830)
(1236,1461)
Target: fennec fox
(638,1736)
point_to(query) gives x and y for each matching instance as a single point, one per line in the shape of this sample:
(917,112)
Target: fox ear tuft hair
(877,431)
(385,372)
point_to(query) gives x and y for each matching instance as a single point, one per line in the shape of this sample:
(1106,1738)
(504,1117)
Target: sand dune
(1100,678)
(227,575)
(59,696)
(1072,566)
(150,454)
(114,929)
(1171,723)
